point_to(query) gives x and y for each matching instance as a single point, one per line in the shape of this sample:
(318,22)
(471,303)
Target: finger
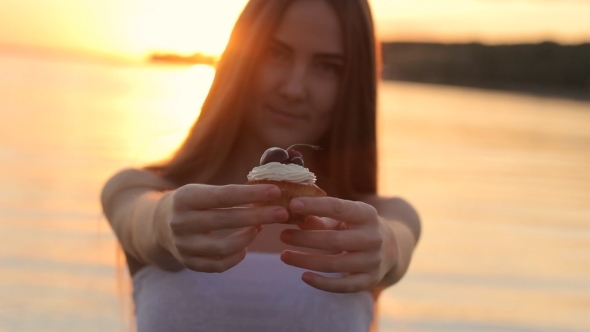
(340,263)
(210,245)
(349,240)
(231,218)
(350,284)
(214,265)
(312,223)
(316,223)
(335,208)
(202,196)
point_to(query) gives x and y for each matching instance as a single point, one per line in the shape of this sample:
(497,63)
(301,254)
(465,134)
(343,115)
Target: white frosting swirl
(282,172)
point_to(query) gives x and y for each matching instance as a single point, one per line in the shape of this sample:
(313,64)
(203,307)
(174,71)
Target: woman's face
(296,84)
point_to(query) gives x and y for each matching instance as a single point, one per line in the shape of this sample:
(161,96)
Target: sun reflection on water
(192,89)
(171,114)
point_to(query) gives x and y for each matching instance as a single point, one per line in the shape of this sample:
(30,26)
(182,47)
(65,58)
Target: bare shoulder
(395,208)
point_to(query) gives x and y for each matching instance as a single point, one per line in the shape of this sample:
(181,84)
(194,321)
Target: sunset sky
(134,28)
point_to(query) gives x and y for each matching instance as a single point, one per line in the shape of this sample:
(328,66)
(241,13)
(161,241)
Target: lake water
(501,180)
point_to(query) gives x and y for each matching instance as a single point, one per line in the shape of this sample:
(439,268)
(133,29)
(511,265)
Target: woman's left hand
(364,245)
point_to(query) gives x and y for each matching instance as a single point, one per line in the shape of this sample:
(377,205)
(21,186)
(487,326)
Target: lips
(283,116)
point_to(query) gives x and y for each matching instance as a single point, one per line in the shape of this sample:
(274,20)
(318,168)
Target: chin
(282,140)
(273,135)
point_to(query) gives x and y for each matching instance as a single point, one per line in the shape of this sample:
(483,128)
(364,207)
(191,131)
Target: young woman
(202,257)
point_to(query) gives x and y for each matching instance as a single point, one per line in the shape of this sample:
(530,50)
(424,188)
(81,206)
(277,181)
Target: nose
(293,87)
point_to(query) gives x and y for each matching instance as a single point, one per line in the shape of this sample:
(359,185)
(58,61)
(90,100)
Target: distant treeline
(194,59)
(526,66)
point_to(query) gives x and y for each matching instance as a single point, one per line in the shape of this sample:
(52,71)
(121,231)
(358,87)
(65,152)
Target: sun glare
(173,112)
(192,90)
(136,28)
(189,26)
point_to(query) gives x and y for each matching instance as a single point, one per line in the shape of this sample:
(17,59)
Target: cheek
(324,101)
(265,81)
(324,96)
(260,88)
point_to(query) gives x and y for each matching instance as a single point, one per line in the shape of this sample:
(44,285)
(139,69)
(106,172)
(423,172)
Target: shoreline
(542,92)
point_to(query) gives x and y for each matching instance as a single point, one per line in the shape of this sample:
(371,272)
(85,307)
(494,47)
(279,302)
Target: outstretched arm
(134,201)
(176,228)
(373,240)
(405,228)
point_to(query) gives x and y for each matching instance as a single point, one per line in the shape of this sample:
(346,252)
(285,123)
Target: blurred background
(484,125)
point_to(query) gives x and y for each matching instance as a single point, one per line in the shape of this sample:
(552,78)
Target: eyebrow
(327,55)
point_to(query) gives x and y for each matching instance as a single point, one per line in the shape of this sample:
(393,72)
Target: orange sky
(133,28)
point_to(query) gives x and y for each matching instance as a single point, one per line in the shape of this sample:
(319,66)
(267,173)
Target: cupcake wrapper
(290,190)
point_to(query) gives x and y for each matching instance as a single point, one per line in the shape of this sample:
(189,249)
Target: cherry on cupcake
(277,155)
(296,161)
(288,156)
(294,153)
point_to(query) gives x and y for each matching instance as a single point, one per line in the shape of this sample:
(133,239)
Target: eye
(277,55)
(328,68)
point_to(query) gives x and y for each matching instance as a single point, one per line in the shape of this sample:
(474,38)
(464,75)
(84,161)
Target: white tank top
(259,294)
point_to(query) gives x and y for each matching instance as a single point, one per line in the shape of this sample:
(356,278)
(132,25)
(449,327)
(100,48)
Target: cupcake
(285,169)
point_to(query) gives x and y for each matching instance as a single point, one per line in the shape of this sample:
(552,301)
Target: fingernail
(280,214)
(273,192)
(285,255)
(307,277)
(296,205)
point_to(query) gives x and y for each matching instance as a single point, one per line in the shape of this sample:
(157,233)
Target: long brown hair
(348,164)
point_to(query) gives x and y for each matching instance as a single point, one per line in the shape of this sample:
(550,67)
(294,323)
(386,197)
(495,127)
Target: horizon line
(125,59)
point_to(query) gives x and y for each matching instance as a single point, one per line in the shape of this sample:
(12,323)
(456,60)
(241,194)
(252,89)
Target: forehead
(311,25)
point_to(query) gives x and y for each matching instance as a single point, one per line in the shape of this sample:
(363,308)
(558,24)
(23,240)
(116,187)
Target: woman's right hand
(198,210)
